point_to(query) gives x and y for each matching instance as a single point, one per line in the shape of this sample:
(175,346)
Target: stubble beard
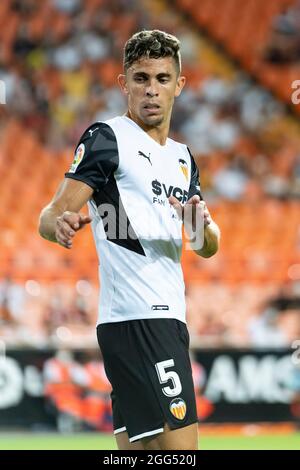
(153,122)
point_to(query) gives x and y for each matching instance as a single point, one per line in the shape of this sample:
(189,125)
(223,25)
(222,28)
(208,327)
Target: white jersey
(137,232)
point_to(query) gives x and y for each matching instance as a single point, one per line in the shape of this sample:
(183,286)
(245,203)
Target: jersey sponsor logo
(91,131)
(141,154)
(160,307)
(78,157)
(184,168)
(178,408)
(160,189)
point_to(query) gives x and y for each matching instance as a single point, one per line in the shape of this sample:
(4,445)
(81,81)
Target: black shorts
(148,365)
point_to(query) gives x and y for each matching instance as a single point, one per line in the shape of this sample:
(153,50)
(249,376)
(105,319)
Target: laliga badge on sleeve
(78,157)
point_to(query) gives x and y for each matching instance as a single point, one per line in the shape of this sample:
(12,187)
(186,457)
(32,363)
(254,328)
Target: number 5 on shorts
(164,376)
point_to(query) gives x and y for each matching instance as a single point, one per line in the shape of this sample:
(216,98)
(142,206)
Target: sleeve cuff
(85,180)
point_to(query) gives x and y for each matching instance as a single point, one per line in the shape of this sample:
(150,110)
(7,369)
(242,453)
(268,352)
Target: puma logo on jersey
(145,156)
(91,131)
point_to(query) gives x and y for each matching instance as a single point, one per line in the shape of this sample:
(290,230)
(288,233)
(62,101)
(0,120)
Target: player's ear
(179,85)
(122,81)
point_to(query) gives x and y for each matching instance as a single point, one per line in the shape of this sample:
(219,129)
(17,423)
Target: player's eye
(163,80)
(139,79)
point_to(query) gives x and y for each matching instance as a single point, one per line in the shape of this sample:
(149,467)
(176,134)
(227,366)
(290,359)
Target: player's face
(151,86)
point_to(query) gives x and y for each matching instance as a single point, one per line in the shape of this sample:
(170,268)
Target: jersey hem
(146,317)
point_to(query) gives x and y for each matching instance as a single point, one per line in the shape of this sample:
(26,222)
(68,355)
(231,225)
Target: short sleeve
(194,188)
(96,156)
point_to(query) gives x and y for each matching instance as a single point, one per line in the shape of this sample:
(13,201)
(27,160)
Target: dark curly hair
(151,44)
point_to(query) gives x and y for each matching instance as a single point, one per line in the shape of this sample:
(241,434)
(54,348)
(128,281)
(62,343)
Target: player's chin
(153,120)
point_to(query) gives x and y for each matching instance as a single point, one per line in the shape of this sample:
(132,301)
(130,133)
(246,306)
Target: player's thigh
(123,442)
(185,438)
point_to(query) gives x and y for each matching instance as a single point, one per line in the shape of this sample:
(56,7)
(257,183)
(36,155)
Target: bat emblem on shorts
(178,408)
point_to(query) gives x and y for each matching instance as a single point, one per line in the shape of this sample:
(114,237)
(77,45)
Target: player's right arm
(96,159)
(61,219)
(195,214)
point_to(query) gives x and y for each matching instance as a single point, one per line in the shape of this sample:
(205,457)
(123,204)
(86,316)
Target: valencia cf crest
(184,168)
(178,408)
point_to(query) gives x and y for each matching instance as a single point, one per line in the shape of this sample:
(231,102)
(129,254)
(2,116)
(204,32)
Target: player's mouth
(152,108)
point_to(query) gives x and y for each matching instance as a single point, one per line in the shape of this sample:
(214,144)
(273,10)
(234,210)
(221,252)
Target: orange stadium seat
(252,22)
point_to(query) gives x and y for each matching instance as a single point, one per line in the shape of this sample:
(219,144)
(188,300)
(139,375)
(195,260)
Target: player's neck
(158,133)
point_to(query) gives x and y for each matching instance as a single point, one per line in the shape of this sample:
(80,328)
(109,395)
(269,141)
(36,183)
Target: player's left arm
(202,221)
(212,236)
(203,233)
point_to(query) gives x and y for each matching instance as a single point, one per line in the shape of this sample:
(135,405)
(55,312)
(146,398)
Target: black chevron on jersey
(110,195)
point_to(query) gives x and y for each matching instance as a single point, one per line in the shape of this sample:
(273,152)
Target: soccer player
(140,187)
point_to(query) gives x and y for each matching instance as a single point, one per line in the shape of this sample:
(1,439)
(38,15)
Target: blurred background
(239,113)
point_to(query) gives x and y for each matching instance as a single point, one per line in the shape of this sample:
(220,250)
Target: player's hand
(67,225)
(194,213)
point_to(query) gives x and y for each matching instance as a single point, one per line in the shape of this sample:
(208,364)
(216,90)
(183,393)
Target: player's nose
(152,90)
